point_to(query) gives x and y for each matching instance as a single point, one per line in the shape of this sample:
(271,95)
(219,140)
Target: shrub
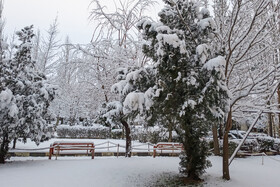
(78,131)
(152,134)
(117,133)
(266,143)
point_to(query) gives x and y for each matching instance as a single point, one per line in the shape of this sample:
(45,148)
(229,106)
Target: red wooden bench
(167,146)
(57,147)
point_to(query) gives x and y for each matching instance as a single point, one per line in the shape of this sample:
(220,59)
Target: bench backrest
(73,145)
(169,146)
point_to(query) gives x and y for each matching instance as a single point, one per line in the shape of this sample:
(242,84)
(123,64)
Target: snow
(215,63)
(207,22)
(134,101)
(127,172)
(5,98)
(170,39)
(13,110)
(101,145)
(202,52)
(6,102)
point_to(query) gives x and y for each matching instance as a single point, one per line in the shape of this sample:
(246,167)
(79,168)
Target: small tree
(132,101)
(190,84)
(24,96)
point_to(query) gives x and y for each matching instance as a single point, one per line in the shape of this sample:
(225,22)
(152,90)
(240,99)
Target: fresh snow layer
(101,145)
(130,172)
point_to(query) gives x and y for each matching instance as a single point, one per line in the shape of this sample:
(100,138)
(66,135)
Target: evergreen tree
(24,97)
(131,85)
(190,87)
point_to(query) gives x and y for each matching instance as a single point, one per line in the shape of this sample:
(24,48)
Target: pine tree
(190,87)
(24,96)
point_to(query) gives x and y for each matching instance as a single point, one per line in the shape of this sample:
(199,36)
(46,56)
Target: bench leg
(50,153)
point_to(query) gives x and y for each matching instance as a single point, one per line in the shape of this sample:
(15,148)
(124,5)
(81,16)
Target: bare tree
(244,36)
(49,49)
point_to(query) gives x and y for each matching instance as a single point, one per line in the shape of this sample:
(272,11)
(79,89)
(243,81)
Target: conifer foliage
(190,83)
(24,96)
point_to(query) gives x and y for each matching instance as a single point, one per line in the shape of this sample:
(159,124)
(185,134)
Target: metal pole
(244,138)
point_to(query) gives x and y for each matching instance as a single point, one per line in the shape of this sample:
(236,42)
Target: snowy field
(135,171)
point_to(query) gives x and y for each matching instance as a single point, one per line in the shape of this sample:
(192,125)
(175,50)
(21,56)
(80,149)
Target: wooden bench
(167,146)
(57,147)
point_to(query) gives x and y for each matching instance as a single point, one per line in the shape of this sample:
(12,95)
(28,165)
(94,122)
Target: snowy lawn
(101,145)
(135,171)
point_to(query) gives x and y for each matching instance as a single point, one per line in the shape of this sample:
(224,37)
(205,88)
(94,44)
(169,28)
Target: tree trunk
(4,148)
(123,133)
(170,132)
(215,140)
(225,147)
(128,139)
(270,128)
(221,131)
(14,143)
(190,147)
(57,122)
(278,93)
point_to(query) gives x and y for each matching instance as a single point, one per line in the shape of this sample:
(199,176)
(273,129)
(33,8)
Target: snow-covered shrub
(266,143)
(232,145)
(276,145)
(152,134)
(78,131)
(251,145)
(117,134)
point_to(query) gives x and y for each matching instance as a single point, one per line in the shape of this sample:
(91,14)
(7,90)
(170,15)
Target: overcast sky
(72,16)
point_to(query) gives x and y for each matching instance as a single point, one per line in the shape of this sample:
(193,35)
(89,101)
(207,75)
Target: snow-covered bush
(117,134)
(251,145)
(232,145)
(276,145)
(153,134)
(266,143)
(78,131)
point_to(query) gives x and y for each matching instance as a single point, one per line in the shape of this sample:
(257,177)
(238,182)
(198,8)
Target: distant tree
(46,50)
(24,95)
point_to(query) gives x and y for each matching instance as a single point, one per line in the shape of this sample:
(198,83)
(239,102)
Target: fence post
(57,152)
(108,145)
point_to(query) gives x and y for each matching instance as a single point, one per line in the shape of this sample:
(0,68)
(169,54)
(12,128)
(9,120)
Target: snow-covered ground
(130,172)
(101,145)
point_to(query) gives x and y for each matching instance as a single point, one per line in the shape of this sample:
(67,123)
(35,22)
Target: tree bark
(278,93)
(4,148)
(170,132)
(14,143)
(225,147)
(128,139)
(57,122)
(215,140)
(221,131)
(270,128)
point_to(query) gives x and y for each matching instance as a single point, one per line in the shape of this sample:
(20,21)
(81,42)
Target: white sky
(72,17)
